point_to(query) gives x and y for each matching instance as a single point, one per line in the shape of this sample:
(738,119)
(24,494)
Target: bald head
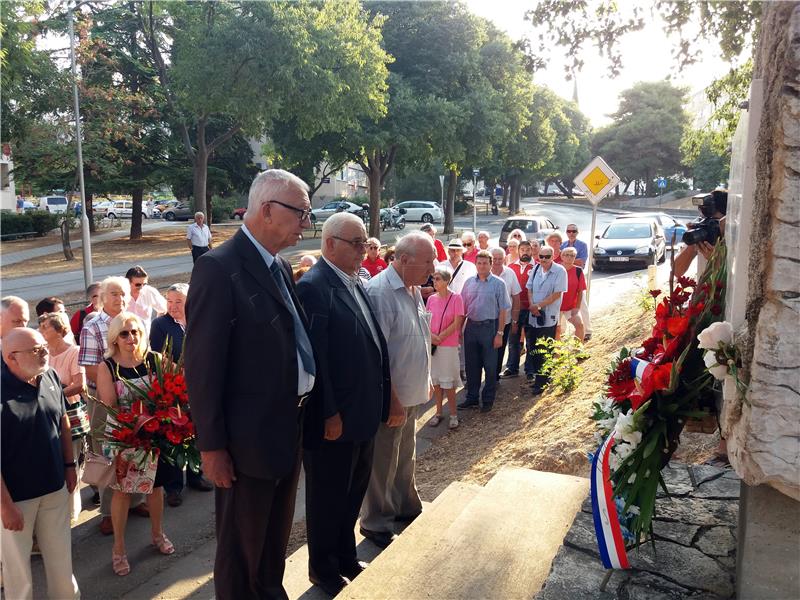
(343,237)
(25,353)
(414,258)
(14,312)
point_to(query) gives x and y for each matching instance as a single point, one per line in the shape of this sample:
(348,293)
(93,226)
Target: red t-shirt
(441,253)
(374,267)
(522,276)
(472,255)
(575,283)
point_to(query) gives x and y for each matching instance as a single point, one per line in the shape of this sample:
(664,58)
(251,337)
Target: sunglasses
(545,256)
(138,285)
(572,231)
(126,333)
(468,244)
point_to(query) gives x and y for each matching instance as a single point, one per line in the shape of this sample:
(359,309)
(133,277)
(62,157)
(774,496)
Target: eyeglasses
(572,231)
(40,350)
(374,247)
(138,285)
(126,333)
(545,256)
(357,244)
(302,213)
(468,244)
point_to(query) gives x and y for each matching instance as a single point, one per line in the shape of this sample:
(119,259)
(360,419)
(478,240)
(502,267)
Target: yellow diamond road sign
(596,180)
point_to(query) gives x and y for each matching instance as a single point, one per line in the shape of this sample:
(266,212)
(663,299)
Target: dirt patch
(552,433)
(156,244)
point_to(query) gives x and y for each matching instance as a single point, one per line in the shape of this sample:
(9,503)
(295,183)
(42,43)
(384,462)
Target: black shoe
(486,408)
(201,484)
(406,518)
(468,404)
(536,390)
(587,337)
(380,538)
(508,373)
(330,585)
(96,498)
(353,570)
(530,377)
(174,499)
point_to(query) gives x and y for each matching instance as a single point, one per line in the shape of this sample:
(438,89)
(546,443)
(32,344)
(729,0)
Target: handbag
(446,304)
(99,470)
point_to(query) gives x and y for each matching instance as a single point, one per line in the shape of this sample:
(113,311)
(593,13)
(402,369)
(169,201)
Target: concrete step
(436,515)
(500,545)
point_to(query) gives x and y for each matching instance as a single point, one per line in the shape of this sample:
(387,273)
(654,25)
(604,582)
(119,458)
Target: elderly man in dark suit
(353,390)
(249,370)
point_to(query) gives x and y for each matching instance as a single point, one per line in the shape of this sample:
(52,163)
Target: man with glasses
(350,400)
(546,285)
(38,468)
(250,368)
(373,263)
(145,299)
(198,237)
(582,250)
(14,312)
(521,268)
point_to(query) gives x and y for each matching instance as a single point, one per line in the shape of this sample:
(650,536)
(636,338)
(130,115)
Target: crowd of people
(325,365)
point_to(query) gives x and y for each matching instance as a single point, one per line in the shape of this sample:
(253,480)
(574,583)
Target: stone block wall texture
(763,431)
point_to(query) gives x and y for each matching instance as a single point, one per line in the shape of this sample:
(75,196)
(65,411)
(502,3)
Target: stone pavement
(695,545)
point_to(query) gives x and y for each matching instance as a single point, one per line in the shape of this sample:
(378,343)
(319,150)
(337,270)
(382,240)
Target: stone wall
(763,431)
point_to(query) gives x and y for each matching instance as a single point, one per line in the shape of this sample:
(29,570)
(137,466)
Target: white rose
(718,371)
(710,358)
(715,333)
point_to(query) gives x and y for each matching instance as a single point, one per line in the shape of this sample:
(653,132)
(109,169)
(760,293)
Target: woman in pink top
(447,317)
(55,329)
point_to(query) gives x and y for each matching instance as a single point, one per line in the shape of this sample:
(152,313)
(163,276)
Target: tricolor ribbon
(606,520)
(641,370)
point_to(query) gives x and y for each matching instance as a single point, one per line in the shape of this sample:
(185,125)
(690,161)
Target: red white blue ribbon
(606,520)
(641,369)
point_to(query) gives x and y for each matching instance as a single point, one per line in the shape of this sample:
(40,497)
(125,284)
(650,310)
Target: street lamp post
(88,276)
(475,173)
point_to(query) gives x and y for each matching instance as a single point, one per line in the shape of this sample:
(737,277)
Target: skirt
(445,368)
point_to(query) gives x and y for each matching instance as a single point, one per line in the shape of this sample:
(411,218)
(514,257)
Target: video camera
(706,229)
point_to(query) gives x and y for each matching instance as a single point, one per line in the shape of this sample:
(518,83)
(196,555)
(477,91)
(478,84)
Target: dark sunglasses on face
(138,285)
(545,256)
(572,231)
(126,333)
(468,244)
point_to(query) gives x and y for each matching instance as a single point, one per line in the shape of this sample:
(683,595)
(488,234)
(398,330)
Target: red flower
(178,417)
(151,425)
(677,325)
(686,282)
(123,435)
(173,436)
(655,293)
(695,309)
(125,417)
(661,376)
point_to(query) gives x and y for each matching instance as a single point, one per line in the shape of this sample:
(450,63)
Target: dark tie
(301,337)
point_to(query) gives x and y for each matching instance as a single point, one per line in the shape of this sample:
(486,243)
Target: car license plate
(618,258)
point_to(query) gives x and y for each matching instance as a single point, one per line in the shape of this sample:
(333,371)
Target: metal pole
(88,276)
(474,204)
(591,254)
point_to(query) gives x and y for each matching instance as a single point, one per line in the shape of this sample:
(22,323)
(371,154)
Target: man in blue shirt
(486,303)
(546,285)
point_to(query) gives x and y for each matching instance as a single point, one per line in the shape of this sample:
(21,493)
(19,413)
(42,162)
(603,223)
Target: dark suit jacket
(163,328)
(352,372)
(241,360)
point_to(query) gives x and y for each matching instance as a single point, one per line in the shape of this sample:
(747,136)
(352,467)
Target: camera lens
(694,236)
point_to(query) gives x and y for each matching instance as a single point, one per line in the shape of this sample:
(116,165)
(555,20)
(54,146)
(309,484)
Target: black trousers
(254,520)
(198,251)
(536,355)
(337,475)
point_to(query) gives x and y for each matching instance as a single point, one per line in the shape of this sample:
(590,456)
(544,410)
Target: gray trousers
(392,490)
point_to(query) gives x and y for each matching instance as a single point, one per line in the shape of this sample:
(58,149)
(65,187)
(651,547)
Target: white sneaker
(453,421)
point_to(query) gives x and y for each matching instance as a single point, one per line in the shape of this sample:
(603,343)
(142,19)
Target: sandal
(435,420)
(162,543)
(119,562)
(453,421)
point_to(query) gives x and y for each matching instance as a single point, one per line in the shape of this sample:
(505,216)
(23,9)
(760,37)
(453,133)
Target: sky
(646,54)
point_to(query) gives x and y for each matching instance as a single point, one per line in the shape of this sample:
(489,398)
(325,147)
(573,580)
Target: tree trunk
(65,244)
(450,201)
(200,170)
(374,177)
(504,204)
(89,212)
(210,208)
(136,213)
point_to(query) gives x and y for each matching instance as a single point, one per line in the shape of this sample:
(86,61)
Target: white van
(123,209)
(53,204)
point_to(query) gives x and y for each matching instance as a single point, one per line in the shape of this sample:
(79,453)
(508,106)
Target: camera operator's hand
(705,249)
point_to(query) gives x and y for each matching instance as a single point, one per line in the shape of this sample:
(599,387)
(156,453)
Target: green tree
(710,167)
(319,63)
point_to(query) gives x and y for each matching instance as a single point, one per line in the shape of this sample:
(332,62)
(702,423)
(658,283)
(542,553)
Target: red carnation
(151,425)
(174,437)
(125,417)
(655,293)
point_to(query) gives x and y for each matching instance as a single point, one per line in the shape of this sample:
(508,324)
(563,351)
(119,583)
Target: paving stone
(677,479)
(727,562)
(717,541)
(687,566)
(682,533)
(581,534)
(703,473)
(720,487)
(577,576)
(698,511)
(731,474)
(646,586)
(587,504)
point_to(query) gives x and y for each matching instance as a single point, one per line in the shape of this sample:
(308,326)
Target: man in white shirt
(198,237)
(144,299)
(460,269)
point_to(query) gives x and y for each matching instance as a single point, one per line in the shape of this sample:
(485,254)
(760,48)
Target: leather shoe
(174,499)
(353,570)
(202,484)
(406,518)
(486,408)
(106,526)
(468,404)
(536,390)
(331,586)
(380,538)
(141,510)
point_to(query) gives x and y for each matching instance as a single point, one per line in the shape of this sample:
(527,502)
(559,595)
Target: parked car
(179,212)
(101,208)
(534,227)
(334,206)
(53,204)
(238,213)
(422,210)
(628,241)
(123,209)
(668,224)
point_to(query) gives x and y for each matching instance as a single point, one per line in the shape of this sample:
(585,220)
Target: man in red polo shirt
(522,268)
(373,263)
(441,253)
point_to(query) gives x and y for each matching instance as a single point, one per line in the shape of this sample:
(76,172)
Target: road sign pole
(591,254)
(474,206)
(441,184)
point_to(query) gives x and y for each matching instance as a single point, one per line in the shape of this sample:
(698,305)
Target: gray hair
(120,282)
(467,235)
(337,223)
(411,242)
(199,214)
(569,251)
(181,288)
(486,233)
(555,234)
(9,301)
(271,183)
(497,252)
(444,273)
(92,287)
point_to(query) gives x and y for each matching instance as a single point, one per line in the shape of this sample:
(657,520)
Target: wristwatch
(499,333)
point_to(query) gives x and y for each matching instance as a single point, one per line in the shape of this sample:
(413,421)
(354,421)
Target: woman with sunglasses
(55,329)
(129,357)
